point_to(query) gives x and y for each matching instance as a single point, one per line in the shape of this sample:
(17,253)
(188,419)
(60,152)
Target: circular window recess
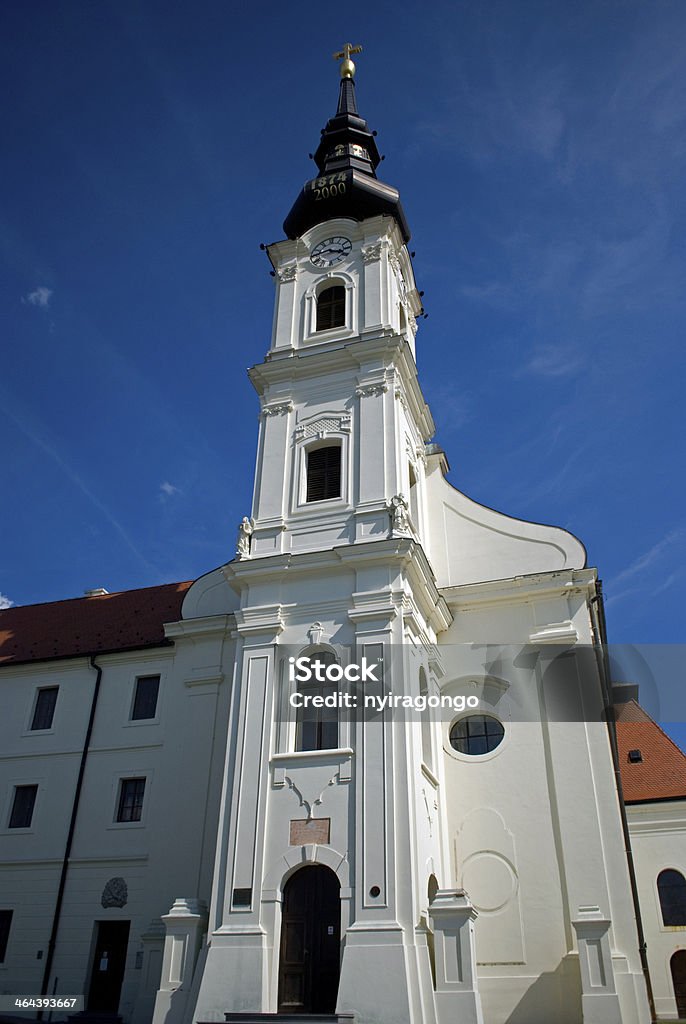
(476,734)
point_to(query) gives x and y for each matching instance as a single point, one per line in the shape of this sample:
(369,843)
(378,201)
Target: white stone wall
(658,840)
(170,850)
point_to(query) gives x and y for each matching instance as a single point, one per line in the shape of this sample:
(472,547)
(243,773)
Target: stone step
(288,1018)
(90,1017)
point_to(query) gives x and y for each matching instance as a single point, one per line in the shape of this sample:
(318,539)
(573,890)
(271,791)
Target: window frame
(140,720)
(426,723)
(53,687)
(310,439)
(325,445)
(678,906)
(340,303)
(312,688)
(13,806)
(123,780)
(335,278)
(466,719)
(5,932)
(484,754)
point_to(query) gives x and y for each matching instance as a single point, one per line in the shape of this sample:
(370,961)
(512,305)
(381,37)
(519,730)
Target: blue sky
(150,147)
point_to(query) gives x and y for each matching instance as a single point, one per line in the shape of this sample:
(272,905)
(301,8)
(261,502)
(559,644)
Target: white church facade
(191,834)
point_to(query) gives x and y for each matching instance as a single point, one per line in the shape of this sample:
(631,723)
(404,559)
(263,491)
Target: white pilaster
(185,926)
(599,1000)
(457,996)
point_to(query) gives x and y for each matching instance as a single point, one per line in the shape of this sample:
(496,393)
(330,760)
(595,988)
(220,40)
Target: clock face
(330,251)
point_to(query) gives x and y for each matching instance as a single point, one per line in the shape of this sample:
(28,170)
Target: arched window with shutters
(671,888)
(331,308)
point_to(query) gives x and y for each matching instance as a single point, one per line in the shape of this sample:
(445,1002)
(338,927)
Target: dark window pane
(145,701)
(45,708)
(22,806)
(5,925)
(331,308)
(131,800)
(328,734)
(317,728)
(671,887)
(324,473)
(477,734)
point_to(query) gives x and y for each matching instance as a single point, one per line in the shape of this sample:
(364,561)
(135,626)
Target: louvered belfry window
(324,473)
(331,308)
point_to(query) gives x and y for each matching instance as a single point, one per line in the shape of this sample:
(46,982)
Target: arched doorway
(310,958)
(678,965)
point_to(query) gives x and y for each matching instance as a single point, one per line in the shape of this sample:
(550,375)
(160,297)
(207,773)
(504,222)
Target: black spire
(347,103)
(347,158)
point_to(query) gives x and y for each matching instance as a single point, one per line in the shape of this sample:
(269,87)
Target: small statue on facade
(245,532)
(400,516)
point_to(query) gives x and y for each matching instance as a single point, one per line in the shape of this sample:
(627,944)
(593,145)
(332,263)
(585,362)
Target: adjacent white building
(182,843)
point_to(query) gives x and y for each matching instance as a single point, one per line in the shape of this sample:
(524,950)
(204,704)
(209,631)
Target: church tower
(324,861)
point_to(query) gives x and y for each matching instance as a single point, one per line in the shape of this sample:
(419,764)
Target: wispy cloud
(642,569)
(451,407)
(5,602)
(81,485)
(167,489)
(499,294)
(39,297)
(554,361)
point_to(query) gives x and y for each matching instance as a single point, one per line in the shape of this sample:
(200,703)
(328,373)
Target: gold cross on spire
(347,66)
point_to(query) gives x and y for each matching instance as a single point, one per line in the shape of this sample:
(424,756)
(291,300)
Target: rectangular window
(5,925)
(22,806)
(44,710)
(324,473)
(130,806)
(145,699)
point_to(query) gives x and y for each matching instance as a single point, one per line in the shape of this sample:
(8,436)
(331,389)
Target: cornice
(209,625)
(405,553)
(267,618)
(393,352)
(664,817)
(536,586)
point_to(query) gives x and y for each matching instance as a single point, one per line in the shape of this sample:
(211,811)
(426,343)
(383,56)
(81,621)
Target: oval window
(476,734)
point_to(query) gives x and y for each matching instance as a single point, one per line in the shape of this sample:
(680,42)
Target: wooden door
(109,963)
(309,966)
(678,965)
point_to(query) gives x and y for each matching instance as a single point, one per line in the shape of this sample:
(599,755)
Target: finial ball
(347,66)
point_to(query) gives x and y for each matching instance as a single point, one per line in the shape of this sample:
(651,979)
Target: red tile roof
(661,774)
(125,621)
